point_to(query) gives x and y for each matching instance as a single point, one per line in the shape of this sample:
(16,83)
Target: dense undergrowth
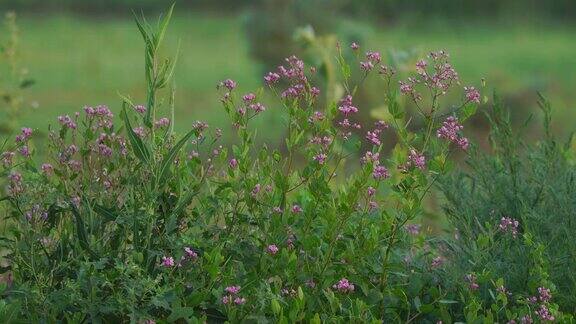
(135,223)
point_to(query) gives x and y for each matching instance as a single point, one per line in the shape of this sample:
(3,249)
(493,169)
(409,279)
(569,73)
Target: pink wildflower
(296,209)
(380,172)
(344,286)
(472,94)
(272,249)
(167,261)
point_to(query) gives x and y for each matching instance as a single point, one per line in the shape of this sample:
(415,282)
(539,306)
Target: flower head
(472,94)
(380,172)
(167,261)
(272,249)
(233,290)
(344,286)
(296,209)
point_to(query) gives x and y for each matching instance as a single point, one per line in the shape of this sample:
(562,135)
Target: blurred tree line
(389,9)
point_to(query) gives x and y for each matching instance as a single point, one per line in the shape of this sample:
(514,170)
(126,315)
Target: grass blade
(169,158)
(140,149)
(81,231)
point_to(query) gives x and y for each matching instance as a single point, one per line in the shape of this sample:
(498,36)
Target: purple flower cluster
(232,296)
(344,286)
(7,158)
(544,313)
(162,122)
(413,229)
(272,249)
(346,107)
(141,109)
(450,131)
(380,172)
(67,121)
(167,261)
(296,209)
(509,225)
(472,95)
(416,159)
(372,59)
(544,294)
(15,186)
(437,262)
(24,136)
(102,114)
(36,213)
(471,279)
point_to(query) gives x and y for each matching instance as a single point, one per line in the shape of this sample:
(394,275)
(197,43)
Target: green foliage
(530,183)
(133,223)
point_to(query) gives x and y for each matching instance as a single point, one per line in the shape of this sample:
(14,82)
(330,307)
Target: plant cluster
(129,222)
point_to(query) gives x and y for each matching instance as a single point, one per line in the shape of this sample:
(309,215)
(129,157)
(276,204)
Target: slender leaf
(169,158)
(81,231)
(140,149)
(163,26)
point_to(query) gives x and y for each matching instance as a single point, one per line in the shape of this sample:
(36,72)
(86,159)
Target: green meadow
(81,60)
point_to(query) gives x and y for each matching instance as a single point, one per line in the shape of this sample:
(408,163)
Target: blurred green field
(80,60)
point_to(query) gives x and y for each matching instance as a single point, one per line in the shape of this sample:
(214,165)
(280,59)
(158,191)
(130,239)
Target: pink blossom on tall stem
(229,84)
(233,163)
(344,286)
(24,151)
(257,107)
(233,290)
(47,168)
(508,224)
(7,158)
(104,150)
(167,261)
(320,158)
(471,279)
(314,92)
(271,78)
(140,109)
(256,190)
(545,295)
(373,57)
(296,209)
(272,249)
(24,135)
(354,46)
(139,131)
(190,254)
(526,319)
(366,66)
(162,122)
(249,97)
(472,94)
(346,107)
(370,157)
(239,300)
(450,131)
(66,121)
(413,229)
(544,313)
(374,136)
(380,172)
(416,159)
(371,191)
(437,262)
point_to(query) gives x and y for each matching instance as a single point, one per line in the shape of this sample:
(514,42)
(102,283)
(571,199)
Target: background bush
(530,183)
